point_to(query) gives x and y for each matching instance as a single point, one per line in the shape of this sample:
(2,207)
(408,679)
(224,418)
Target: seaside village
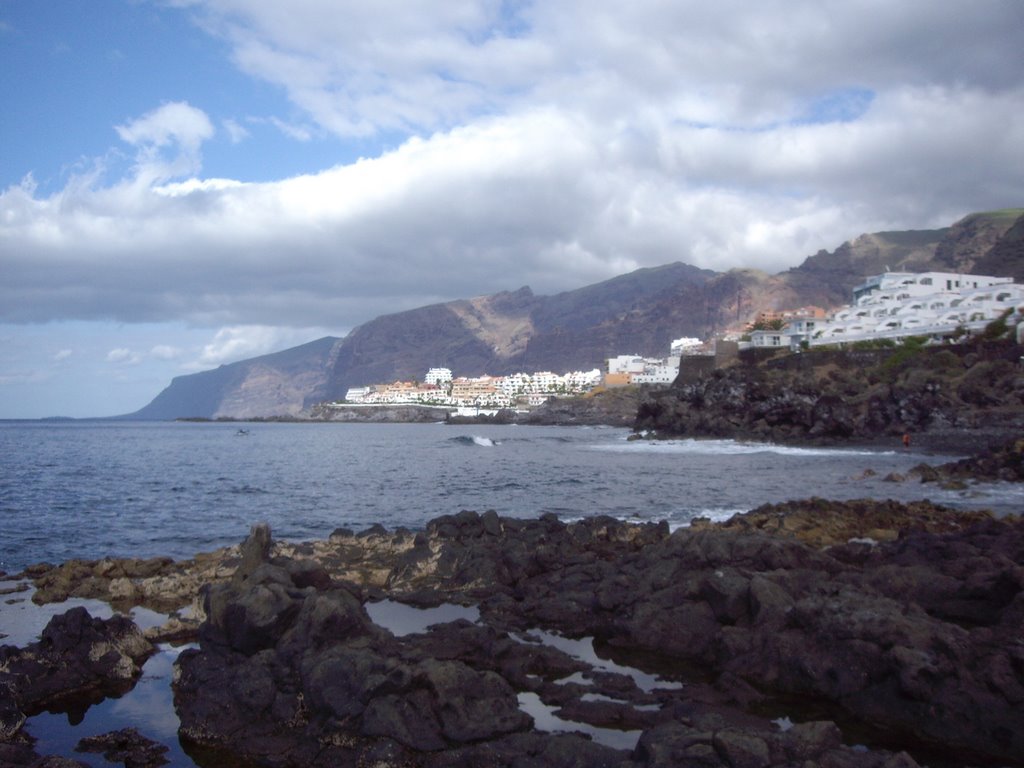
(941,306)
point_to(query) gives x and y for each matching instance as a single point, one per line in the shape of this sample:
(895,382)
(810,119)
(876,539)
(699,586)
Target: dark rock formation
(998,462)
(823,523)
(128,747)
(77,655)
(939,395)
(298,675)
(78,660)
(613,407)
(917,638)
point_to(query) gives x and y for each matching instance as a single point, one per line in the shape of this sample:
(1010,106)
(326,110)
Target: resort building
(896,305)
(480,391)
(685,346)
(633,369)
(439,377)
(357,394)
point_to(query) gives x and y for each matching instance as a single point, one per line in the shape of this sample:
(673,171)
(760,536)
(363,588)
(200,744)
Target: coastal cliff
(960,397)
(636,313)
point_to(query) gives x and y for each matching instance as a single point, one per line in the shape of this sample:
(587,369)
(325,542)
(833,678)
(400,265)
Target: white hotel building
(897,305)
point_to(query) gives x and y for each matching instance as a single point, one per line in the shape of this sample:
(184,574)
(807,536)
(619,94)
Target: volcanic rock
(915,632)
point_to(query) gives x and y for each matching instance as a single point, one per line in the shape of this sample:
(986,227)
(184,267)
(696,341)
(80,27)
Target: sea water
(95,489)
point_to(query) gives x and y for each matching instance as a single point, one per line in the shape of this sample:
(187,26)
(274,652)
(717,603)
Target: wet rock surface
(785,636)
(916,636)
(128,747)
(1003,461)
(77,661)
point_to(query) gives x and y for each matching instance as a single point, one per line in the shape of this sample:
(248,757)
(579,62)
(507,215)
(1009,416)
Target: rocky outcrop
(1003,462)
(126,746)
(914,633)
(78,660)
(382,414)
(161,584)
(822,523)
(292,671)
(76,656)
(946,393)
(611,407)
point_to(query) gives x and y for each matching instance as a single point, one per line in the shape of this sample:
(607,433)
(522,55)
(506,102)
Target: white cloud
(551,144)
(176,128)
(122,355)
(23,377)
(291,130)
(234,343)
(235,130)
(62,354)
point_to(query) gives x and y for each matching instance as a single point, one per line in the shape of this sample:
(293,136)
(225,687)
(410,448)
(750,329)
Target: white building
(357,394)
(896,305)
(626,364)
(645,370)
(685,345)
(906,285)
(658,372)
(582,381)
(439,377)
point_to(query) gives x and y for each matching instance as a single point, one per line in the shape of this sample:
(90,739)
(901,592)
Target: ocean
(90,489)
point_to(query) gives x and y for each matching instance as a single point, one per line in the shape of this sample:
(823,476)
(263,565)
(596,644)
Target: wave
(711,447)
(477,440)
(684,518)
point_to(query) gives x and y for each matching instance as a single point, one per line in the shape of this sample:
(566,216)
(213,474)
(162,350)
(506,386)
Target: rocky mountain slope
(277,384)
(640,313)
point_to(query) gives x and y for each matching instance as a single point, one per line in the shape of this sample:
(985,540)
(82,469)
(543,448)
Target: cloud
(62,354)
(235,130)
(550,144)
(168,141)
(297,132)
(23,377)
(122,355)
(234,343)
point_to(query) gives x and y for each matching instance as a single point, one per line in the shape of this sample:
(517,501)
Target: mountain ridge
(639,312)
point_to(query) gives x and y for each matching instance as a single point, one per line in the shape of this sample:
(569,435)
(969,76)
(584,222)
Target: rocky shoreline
(815,632)
(954,397)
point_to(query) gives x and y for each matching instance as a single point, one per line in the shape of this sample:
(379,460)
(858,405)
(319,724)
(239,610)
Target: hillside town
(886,308)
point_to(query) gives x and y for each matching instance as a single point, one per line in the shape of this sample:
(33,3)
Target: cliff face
(280,384)
(638,313)
(517,331)
(945,396)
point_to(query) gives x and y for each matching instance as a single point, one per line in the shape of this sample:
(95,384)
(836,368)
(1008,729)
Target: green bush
(997,329)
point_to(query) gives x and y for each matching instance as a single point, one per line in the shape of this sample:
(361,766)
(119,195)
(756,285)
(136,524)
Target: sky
(187,183)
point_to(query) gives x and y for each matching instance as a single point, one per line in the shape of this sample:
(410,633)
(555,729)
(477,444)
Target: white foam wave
(709,447)
(684,518)
(485,442)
